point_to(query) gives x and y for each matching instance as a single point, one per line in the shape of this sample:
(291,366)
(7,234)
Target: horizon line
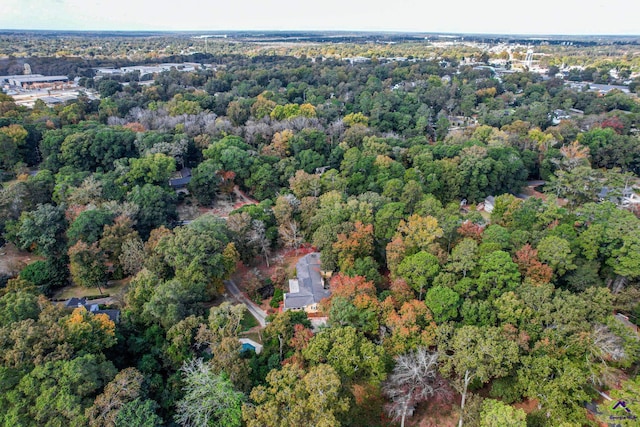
(361,31)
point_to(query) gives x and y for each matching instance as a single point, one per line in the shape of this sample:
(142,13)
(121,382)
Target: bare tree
(132,256)
(208,399)
(414,379)
(260,239)
(290,234)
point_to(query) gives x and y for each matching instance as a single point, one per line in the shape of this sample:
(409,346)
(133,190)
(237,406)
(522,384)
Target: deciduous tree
(414,379)
(293,397)
(209,399)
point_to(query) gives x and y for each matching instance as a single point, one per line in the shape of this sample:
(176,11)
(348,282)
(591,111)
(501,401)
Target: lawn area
(248,322)
(115,287)
(254,335)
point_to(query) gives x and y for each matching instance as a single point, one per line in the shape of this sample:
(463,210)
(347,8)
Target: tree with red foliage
(471,230)
(530,267)
(300,340)
(614,123)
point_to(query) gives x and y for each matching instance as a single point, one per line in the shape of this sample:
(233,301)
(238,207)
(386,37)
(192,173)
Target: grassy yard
(255,336)
(248,322)
(114,288)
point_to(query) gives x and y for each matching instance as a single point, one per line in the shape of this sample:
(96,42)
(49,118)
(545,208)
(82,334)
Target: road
(257,312)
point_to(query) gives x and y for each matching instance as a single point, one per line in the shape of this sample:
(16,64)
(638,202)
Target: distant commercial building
(144,70)
(35,81)
(5,79)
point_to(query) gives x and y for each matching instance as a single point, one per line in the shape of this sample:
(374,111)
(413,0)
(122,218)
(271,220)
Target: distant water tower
(27,69)
(528,61)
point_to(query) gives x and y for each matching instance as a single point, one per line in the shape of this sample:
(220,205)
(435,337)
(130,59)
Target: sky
(620,17)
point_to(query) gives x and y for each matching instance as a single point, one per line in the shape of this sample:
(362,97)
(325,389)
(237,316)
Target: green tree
(57,393)
(443,303)
(387,220)
(292,398)
(195,252)
(97,147)
(87,265)
(556,252)
(482,354)
(463,257)
(41,230)
(498,273)
(180,344)
(124,388)
(156,207)
(419,270)
(172,301)
(349,353)
(108,87)
(497,414)
(578,185)
(88,226)
(17,306)
(558,384)
(153,169)
(204,182)
(46,274)
(138,413)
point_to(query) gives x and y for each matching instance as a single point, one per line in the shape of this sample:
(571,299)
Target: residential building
(92,308)
(180,181)
(309,287)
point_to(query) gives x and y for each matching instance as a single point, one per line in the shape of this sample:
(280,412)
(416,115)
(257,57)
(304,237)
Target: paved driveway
(256,311)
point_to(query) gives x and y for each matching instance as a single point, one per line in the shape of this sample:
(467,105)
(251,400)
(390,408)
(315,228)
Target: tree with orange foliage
(88,332)
(411,327)
(351,287)
(574,154)
(530,267)
(358,244)
(354,303)
(279,146)
(401,291)
(227,184)
(395,251)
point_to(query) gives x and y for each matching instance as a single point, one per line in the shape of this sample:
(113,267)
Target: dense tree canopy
(457,288)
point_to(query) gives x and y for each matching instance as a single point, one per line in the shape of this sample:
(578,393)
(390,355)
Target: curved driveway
(256,311)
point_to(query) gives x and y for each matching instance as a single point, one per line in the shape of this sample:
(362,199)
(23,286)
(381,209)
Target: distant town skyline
(550,17)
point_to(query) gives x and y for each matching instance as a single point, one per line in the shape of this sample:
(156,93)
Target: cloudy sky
(470,16)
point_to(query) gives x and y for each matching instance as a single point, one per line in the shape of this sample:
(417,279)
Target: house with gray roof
(180,181)
(309,287)
(73,303)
